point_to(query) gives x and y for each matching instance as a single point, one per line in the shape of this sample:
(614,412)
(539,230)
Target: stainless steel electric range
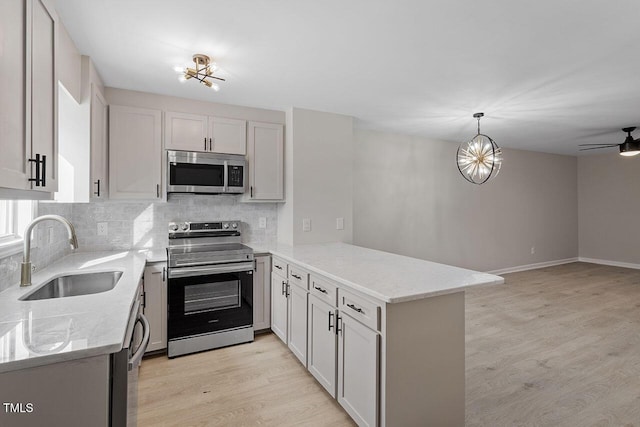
(210,289)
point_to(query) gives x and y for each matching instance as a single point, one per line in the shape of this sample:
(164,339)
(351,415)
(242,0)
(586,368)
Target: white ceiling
(548,74)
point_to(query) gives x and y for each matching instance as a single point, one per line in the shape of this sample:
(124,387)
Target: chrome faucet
(25,276)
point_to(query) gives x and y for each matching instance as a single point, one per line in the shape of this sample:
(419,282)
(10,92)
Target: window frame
(11,243)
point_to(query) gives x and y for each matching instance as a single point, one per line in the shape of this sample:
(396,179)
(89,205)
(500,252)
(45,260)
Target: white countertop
(388,277)
(155,254)
(41,332)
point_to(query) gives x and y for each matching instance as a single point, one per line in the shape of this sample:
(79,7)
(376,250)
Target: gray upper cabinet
(28,106)
(135,153)
(194,132)
(265,156)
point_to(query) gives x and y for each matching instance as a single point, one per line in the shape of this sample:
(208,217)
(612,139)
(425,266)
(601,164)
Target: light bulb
(630,153)
(178,69)
(182,78)
(215,87)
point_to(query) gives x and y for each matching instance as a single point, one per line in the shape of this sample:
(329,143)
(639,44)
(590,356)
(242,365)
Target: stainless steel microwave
(208,173)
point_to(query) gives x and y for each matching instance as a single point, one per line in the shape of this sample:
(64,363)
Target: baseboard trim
(611,263)
(536,265)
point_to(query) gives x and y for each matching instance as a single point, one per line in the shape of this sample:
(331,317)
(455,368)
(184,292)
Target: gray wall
(409,198)
(609,206)
(318,177)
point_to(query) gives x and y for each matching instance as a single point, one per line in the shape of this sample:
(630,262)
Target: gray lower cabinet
(73,393)
(155,304)
(358,370)
(279,306)
(262,294)
(322,343)
(297,322)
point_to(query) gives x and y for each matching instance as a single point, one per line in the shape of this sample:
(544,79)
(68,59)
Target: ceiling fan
(629,147)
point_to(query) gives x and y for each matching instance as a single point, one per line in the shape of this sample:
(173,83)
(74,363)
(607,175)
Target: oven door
(208,299)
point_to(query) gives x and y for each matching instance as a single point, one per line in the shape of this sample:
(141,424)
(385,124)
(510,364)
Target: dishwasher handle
(135,359)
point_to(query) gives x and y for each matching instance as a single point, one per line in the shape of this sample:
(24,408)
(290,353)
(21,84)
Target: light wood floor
(558,346)
(255,384)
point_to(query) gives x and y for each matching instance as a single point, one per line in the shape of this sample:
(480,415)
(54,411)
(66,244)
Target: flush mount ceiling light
(479,159)
(202,72)
(628,148)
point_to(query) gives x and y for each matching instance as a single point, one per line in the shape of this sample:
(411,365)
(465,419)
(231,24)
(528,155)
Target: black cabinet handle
(277,266)
(37,162)
(205,143)
(43,179)
(353,307)
(324,291)
(296,276)
(164,273)
(210,144)
(338,324)
(97,193)
(251,189)
(283,290)
(330,315)
(158,190)
(288,291)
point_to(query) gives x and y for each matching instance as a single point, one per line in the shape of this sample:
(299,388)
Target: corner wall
(609,206)
(318,178)
(410,199)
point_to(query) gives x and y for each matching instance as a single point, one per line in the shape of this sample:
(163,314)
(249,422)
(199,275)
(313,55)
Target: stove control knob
(234,225)
(225,225)
(173,227)
(184,227)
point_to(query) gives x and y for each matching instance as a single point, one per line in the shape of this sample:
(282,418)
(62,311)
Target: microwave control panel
(236,174)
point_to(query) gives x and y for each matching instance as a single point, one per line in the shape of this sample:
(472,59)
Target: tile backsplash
(144,224)
(135,224)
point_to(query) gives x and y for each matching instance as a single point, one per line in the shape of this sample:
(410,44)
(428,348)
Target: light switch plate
(262,222)
(102,229)
(339,223)
(306,224)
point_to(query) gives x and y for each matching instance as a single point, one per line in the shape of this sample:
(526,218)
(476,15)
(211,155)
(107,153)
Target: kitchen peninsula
(382,333)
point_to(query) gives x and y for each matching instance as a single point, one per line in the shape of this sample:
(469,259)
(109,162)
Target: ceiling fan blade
(593,148)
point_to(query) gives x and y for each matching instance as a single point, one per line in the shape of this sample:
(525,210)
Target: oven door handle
(175,273)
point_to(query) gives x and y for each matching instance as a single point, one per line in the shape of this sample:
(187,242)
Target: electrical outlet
(533,250)
(262,222)
(306,224)
(102,229)
(339,223)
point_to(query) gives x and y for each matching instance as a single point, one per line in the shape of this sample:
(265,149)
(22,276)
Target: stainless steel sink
(75,284)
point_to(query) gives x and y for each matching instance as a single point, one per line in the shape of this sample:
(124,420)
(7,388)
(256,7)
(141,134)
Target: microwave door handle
(226,177)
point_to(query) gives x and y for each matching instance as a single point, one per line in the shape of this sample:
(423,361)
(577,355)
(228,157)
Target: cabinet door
(297,322)
(99,146)
(265,155)
(155,305)
(186,132)
(15,103)
(262,294)
(358,370)
(279,307)
(134,153)
(44,92)
(228,135)
(322,349)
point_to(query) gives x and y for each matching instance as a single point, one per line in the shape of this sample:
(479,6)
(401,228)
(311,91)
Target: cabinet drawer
(324,289)
(279,267)
(298,276)
(359,308)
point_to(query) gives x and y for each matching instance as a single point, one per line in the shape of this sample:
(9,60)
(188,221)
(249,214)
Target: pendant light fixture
(480,158)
